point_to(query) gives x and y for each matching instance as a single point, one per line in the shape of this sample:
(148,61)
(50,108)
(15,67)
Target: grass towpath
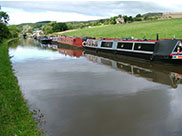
(15,117)
(166,29)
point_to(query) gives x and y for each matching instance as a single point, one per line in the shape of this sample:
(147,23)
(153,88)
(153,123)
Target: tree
(138,15)
(4,31)
(14,30)
(113,20)
(47,29)
(54,27)
(4,17)
(137,19)
(130,19)
(125,19)
(146,18)
(58,27)
(120,16)
(101,21)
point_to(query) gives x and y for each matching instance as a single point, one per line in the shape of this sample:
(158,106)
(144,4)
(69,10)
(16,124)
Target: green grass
(15,117)
(166,29)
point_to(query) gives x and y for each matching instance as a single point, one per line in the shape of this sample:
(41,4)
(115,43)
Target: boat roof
(125,40)
(130,40)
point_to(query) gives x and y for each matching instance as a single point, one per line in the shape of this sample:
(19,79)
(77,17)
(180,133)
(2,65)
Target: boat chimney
(174,36)
(157,37)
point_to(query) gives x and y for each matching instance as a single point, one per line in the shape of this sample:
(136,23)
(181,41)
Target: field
(169,28)
(15,117)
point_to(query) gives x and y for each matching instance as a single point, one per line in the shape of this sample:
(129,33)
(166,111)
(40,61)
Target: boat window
(144,47)
(122,45)
(92,43)
(107,44)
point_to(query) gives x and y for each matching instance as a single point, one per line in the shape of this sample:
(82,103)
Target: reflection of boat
(70,51)
(151,71)
(74,41)
(53,46)
(44,45)
(164,50)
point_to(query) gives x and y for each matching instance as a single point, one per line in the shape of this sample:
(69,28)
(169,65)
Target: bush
(14,31)
(4,32)
(137,19)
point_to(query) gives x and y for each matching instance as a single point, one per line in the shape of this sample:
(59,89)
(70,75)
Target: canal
(80,93)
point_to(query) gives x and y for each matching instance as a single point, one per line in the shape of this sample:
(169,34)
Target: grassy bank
(166,29)
(15,117)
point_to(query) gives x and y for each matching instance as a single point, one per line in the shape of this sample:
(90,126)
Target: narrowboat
(73,41)
(54,39)
(45,40)
(169,50)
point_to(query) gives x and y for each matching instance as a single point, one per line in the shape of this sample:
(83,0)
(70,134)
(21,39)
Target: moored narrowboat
(74,41)
(45,40)
(165,50)
(54,39)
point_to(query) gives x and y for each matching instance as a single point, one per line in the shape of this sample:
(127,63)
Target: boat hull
(46,41)
(130,54)
(73,41)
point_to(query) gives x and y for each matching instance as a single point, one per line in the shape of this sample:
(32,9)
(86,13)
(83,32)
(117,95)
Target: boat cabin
(150,49)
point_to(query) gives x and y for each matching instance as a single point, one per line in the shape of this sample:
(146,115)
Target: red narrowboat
(74,41)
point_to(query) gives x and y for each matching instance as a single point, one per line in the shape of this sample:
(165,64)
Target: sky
(63,11)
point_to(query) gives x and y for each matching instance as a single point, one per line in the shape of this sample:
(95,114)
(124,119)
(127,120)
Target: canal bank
(15,117)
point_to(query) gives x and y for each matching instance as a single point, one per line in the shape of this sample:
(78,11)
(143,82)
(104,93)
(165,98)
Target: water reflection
(70,52)
(113,96)
(163,74)
(153,72)
(66,50)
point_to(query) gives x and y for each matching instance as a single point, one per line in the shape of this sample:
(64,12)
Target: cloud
(18,16)
(93,8)
(83,10)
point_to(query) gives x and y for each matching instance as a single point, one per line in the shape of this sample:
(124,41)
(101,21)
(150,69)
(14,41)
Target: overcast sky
(63,11)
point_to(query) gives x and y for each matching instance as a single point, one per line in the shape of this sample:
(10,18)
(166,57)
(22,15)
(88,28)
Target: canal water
(74,92)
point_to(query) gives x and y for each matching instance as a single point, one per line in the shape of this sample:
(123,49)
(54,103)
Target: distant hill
(89,21)
(43,22)
(36,25)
